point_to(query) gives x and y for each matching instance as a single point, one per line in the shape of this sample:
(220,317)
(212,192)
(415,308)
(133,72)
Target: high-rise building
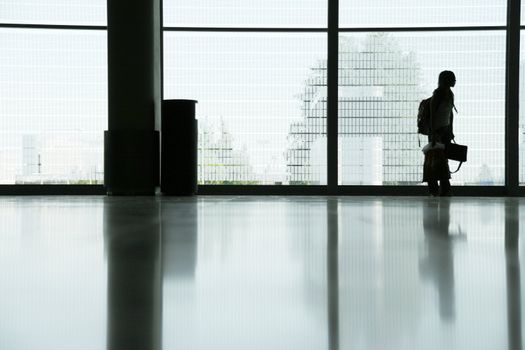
(379,92)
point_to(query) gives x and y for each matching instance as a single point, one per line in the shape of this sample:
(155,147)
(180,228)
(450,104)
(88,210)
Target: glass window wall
(521,139)
(63,12)
(382,79)
(251,13)
(53,106)
(422,13)
(262,104)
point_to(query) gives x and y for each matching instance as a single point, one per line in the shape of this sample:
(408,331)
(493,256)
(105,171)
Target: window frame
(333,31)
(50,189)
(512,187)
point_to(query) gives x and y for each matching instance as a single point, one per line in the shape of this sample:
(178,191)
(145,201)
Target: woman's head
(447,79)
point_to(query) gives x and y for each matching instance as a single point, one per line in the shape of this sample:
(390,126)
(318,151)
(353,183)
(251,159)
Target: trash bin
(178,174)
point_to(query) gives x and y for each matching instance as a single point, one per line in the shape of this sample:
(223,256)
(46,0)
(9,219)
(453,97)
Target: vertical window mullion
(332,95)
(512,97)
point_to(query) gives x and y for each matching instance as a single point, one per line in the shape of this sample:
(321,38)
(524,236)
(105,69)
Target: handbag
(454,151)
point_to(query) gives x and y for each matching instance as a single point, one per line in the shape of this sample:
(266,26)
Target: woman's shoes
(435,190)
(446,194)
(445,190)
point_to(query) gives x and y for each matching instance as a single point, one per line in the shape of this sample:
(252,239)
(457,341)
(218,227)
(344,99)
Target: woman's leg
(445,188)
(433,188)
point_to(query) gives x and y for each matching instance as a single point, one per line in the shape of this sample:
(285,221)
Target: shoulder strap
(430,131)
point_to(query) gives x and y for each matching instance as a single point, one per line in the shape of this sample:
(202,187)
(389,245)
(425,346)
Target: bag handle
(460,164)
(459,167)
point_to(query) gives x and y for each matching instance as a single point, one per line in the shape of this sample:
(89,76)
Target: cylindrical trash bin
(178,174)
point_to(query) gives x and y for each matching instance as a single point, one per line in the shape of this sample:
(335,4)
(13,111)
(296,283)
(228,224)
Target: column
(132,139)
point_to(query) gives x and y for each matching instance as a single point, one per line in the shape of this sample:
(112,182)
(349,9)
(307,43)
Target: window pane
(251,13)
(53,106)
(522,112)
(73,12)
(382,79)
(422,13)
(262,104)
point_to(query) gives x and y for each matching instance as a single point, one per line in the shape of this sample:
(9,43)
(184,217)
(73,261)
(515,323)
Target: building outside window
(53,91)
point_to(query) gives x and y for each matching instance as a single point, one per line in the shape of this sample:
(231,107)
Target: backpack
(423,117)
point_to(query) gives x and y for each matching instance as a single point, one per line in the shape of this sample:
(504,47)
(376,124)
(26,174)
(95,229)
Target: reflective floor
(260,273)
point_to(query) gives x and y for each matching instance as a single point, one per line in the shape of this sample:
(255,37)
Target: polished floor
(260,273)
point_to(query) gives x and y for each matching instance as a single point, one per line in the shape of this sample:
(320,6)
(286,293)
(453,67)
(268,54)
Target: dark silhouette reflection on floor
(133,239)
(438,265)
(513,274)
(145,243)
(332,263)
(179,239)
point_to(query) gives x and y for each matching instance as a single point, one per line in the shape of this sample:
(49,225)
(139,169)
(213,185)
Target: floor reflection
(179,239)
(259,275)
(332,263)
(52,274)
(380,289)
(438,264)
(133,238)
(330,273)
(512,259)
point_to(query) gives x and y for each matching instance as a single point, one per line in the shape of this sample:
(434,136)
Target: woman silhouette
(436,163)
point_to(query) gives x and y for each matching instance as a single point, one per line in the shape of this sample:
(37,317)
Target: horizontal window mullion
(422,29)
(342,30)
(247,30)
(252,29)
(51,26)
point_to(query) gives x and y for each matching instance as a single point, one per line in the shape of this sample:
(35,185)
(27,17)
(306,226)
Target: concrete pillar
(132,139)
